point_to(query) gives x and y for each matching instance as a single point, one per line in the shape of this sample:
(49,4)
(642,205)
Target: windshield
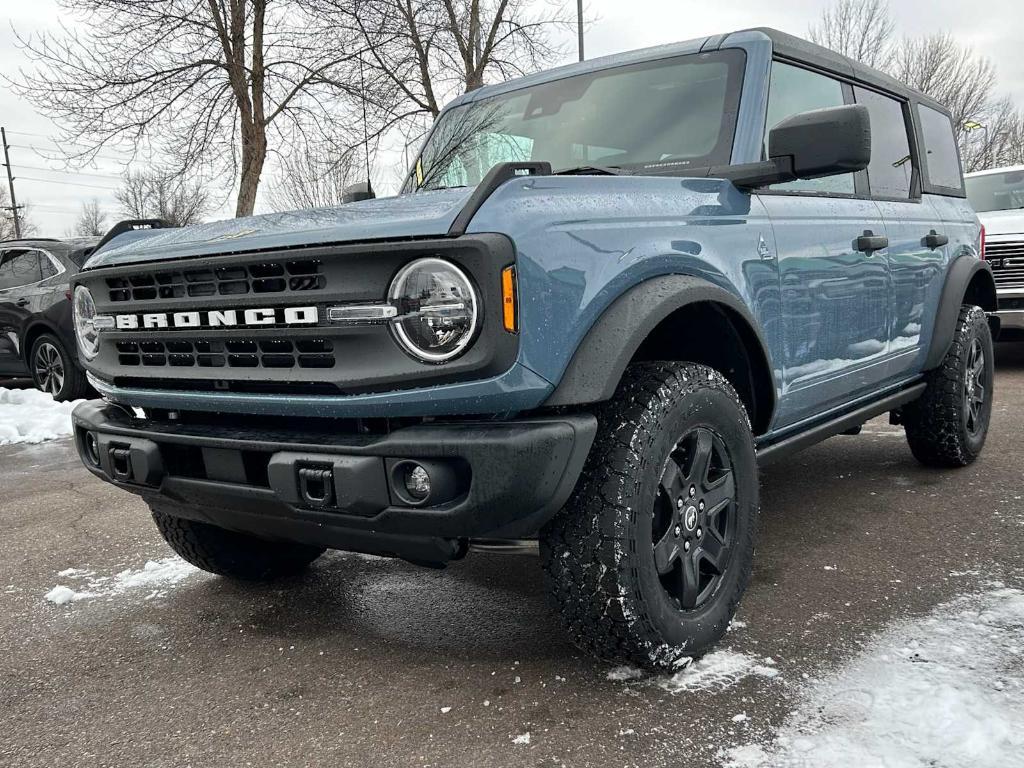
(679,112)
(996,191)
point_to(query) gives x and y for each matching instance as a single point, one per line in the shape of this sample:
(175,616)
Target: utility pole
(579,25)
(10,182)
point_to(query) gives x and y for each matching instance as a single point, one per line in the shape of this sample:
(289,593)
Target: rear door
(23,290)
(835,298)
(917,250)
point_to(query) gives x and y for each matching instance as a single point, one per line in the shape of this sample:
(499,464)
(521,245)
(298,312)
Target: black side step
(790,445)
(495,177)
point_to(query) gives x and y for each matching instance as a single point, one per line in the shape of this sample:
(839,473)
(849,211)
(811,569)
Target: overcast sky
(992,27)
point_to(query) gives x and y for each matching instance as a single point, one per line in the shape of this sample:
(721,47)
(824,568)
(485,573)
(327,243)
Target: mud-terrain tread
(231,554)
(587,554)
(934,422)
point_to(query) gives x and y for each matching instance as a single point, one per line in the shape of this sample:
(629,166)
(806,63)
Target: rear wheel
(948,424)
(232,554)
(649,559)
(53,370)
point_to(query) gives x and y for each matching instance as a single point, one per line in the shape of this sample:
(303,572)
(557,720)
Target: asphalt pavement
(373,662)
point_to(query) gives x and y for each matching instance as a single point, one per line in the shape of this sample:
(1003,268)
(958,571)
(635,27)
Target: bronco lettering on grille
(218,318)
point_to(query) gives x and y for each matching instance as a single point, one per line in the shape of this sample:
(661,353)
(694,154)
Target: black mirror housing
(353,193)
(824,142)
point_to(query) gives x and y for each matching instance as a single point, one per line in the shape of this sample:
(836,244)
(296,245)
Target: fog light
(417,482)
(92,448)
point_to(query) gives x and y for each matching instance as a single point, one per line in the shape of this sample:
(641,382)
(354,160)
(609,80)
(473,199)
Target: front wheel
(947,425)
(228,553)
(53,370)
(650,557)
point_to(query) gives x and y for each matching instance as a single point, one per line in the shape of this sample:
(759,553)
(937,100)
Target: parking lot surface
(373,662)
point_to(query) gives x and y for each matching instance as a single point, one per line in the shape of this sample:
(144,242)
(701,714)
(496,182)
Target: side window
(941,157)
(19,268)
(793,90)
(46,266)
(891,172)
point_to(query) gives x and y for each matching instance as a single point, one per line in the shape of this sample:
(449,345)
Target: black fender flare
(601,358)
(958,278)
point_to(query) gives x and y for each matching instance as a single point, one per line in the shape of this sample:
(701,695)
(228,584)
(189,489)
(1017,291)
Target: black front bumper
(490,479)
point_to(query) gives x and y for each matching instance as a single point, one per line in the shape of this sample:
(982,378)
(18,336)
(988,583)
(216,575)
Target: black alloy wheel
(694,519)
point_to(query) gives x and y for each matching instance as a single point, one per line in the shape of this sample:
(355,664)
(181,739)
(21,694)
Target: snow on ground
(717,671)
(946,690)
(154,578)
(31,416)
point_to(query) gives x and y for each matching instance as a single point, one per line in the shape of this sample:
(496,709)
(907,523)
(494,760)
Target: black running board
(835,426)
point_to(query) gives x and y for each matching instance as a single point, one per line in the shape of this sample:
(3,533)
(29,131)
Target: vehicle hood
(425,214)
(1003,222)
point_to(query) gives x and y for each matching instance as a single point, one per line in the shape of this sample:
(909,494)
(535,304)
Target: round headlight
(85,330)
(437,310)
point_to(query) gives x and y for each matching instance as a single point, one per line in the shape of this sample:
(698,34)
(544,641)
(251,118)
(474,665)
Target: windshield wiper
(594,170)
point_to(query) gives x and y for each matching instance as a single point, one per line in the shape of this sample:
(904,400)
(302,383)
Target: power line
(66,173)
(67,183)
(51,150)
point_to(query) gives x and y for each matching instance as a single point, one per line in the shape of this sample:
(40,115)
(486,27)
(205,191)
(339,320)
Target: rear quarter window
(941,157)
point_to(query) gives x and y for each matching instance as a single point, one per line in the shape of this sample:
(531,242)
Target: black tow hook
(121,463)
(316,486)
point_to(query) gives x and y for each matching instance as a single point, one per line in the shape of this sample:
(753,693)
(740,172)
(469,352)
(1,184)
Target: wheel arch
(32,333)
(650,322)
(968,281)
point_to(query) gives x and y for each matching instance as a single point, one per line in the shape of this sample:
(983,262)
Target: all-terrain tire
(947,425)
(71,384)
(228,553)
(599,552)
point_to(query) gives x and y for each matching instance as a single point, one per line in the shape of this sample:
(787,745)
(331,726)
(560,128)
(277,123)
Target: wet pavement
(372,662)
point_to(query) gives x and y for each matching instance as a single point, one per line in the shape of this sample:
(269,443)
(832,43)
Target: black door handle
(934,240)
(21,303)
(870,242)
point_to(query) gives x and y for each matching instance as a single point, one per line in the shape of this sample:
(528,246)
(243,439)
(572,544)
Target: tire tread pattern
(589,555)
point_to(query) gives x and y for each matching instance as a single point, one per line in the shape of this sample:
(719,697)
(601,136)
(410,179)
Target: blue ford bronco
(606,294)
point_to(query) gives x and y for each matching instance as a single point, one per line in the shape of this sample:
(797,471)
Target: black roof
(792,47)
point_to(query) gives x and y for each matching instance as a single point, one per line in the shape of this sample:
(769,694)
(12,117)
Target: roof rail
(130,225)
(31,240)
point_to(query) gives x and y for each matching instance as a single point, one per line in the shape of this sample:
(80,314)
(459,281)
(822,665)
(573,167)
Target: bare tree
(28,227)
(92,221)
(995,138)
(213,84)
(312,177)
(162,195)
(860,29)
(948,72)
(421,53)
(990,131)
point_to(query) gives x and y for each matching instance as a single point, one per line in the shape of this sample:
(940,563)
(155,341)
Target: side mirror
(353,193)
(809,145)
(824,142)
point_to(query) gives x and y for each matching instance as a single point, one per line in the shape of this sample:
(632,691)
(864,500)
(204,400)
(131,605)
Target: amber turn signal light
(508,299)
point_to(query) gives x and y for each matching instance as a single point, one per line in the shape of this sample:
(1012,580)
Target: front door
(833,267)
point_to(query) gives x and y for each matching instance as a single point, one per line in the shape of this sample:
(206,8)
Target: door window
(793,90)
(19,268)
(941,156)
(891,172)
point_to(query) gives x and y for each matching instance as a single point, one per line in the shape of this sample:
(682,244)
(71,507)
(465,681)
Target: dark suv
(36,334)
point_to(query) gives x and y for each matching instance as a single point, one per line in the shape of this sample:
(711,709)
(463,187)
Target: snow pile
(621,674)
(946,690)
(717,671)
(156,576)
(31,416)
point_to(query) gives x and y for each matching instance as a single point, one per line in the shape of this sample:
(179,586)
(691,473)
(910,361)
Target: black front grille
(270,277)
(227,353)
(1007,260)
